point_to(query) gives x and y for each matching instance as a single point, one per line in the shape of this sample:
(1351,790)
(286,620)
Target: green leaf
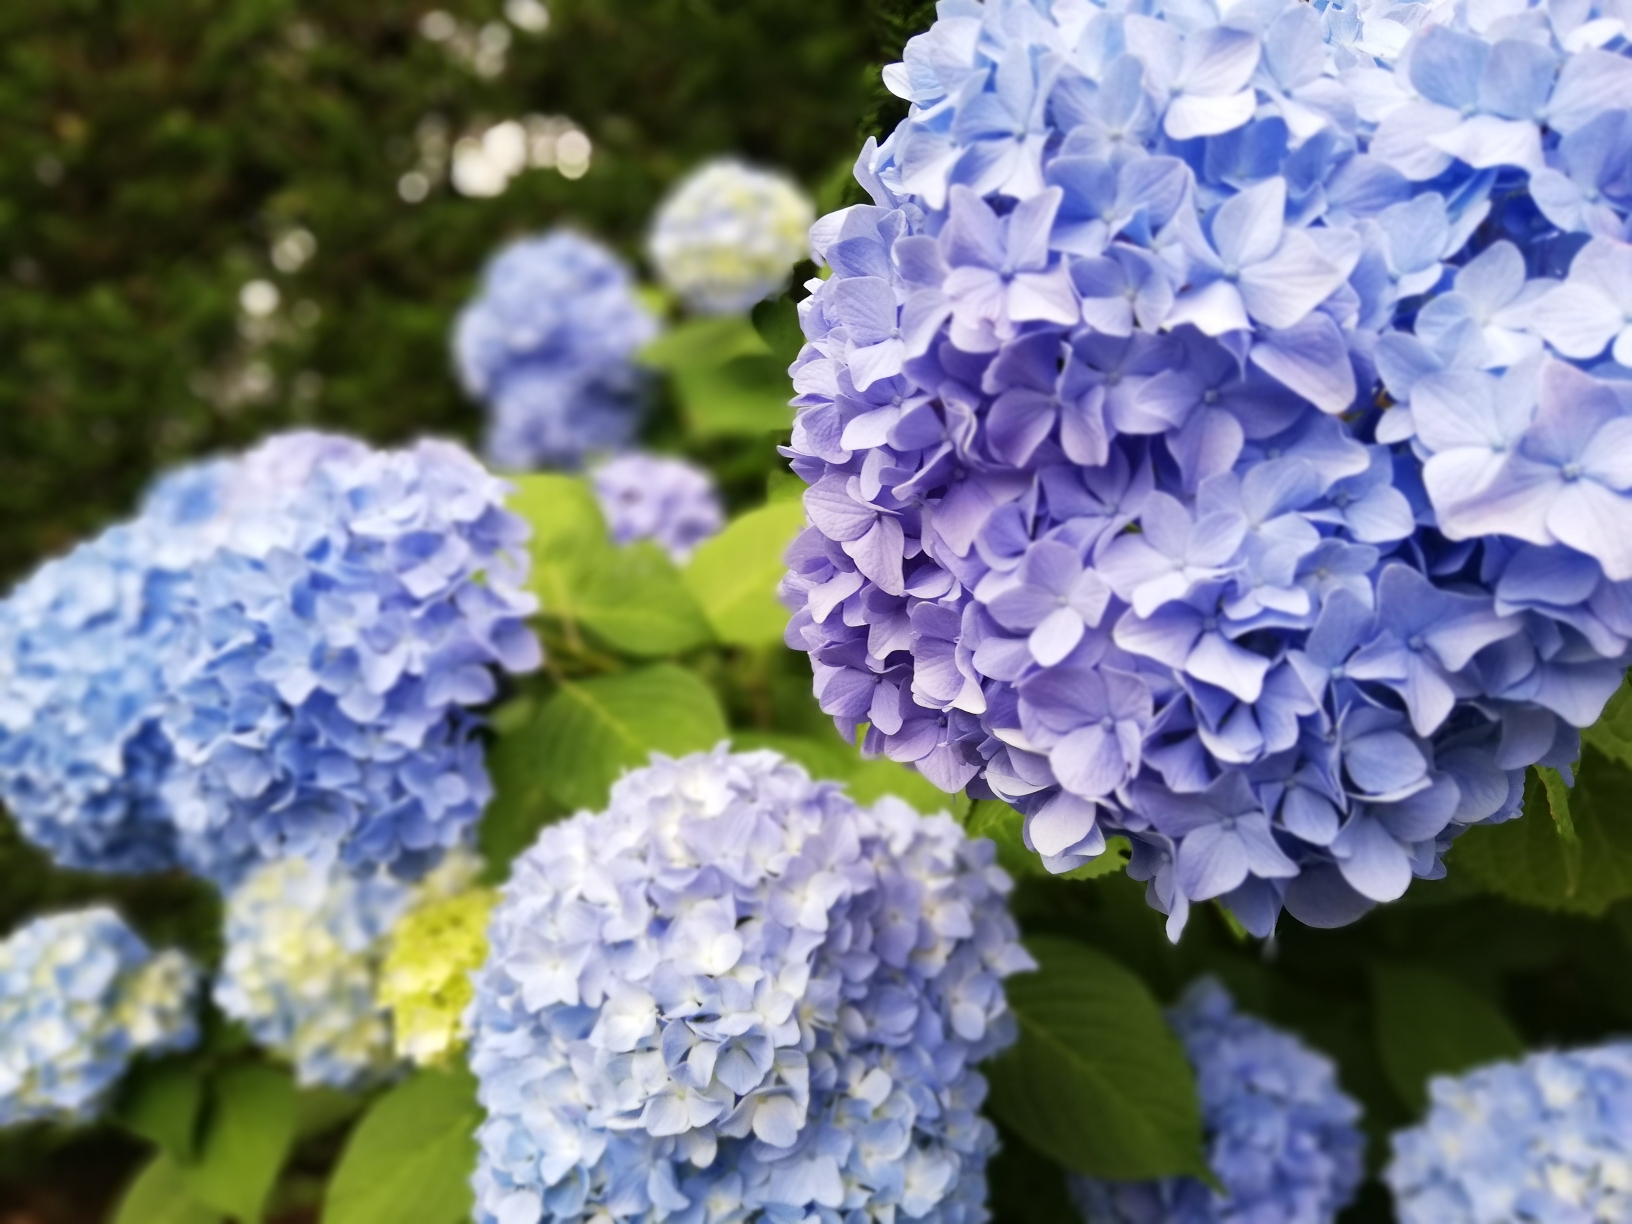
(161,1104)
(1429,1024)
(409,1160)
(726,377)
(997,820)
(1612,733)
(735,575)
(1097,1080)
(777,322)
(1575,858)
(634,601)
(569,537)
(522,801)
(590,731)
(160,1195)
(867,781)
(247,1136)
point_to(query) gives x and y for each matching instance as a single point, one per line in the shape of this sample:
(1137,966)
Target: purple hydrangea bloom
(1215,430)
(735,994)
(652,497)
(1548,1138)
(1282,1138)
(547,346)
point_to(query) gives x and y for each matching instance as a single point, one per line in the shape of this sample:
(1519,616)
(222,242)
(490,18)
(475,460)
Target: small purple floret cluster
(547,345)
(1218,434)
(1282,1138)
(668,501)
(280,655)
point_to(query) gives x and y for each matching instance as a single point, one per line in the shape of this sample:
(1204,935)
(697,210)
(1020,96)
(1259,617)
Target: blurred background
(223,217)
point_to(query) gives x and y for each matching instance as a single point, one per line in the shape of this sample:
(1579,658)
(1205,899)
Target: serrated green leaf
(707,341)
(1527,860)
(161,1103)
(735,575)
(866,780)
(1558,806)
(633,600)
(160,1195)
(522,801)
(726,377)
(247,1135)
(1428,1024)
(410,1158)
(569,539)
(1097,1081)
(1612,733)
(591,731)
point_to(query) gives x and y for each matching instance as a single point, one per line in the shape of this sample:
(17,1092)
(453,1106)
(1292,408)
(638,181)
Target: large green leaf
(634,601)
(522,800)
(250,1127)
(590,731)
(1429,1024)
(161,1195)
(1612,733)
(410,1158)
(1570,851)
(161,1103)
(726,377)
(1097,1080)
(735,575)
(569,537)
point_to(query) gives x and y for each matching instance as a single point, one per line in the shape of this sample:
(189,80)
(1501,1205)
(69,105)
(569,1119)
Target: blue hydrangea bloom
(547,346)
(320,700)
(1281,1135)
(1545,1139)
(652,497)
(304,944)
(729,234)
(734,993)
(80,997)
(1215,428)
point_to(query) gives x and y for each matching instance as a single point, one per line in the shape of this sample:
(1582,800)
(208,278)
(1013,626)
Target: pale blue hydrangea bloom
(1547,1139)
(1281,1135)
(736,993)
(304,945)
(547,345)
(81,996)
(1217,434)
(653,497)
(320,701)
(729,234)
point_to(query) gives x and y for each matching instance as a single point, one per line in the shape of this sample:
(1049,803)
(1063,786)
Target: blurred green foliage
(156,152)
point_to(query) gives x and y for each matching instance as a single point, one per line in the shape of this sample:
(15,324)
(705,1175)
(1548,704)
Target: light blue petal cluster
(1217,432)
(1281,1136)
(1548,1139)
(547,346)
(729,235)
(320,701)
(652,497)
(304,944)
(735,994)
(80,997)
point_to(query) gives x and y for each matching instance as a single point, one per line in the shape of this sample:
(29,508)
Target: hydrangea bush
(1548,1138)
(547,344)
(81,996)
(735,991)
(729,235)
(1215,434)
(1281,1136)
(653,497)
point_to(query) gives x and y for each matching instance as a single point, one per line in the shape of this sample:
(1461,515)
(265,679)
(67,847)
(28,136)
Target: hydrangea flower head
(735,992)
(547,346)
(1215,434)
(303,949)
(1547,1138)
(729,234)
(1281,1136)
(653,497)
(81,996)
(321,700)
(425,981)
